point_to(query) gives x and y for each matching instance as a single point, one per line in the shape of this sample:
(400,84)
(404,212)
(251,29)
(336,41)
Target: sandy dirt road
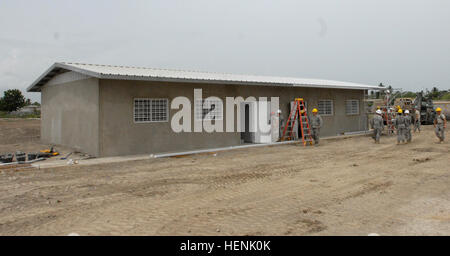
(342,187)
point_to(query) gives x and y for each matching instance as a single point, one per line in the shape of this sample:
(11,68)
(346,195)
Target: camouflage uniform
(439,130)
(408,122)
(377,125)
(399,123)
(316,124)
(417,121)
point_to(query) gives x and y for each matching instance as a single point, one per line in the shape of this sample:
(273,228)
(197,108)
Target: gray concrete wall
(119,135)
(69,115)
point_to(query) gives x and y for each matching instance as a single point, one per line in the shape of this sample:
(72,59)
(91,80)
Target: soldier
(416,119)
(377,125)
(390,117)
(399,124)
(440,123)
(408,122)
(316,124)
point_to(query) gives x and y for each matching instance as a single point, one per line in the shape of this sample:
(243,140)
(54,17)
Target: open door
(247,121)
(251,115)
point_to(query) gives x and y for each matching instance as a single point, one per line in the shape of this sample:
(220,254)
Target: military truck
(426,107)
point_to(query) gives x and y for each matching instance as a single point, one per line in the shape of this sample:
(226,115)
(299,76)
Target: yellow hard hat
(438,109)
(315,110)
(400,110)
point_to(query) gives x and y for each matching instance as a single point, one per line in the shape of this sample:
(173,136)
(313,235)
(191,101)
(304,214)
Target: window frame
(150,103)
(332,107)
(206,119)
(357,109)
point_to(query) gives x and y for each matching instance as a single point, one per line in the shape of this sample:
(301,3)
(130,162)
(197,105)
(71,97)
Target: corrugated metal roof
(153,74)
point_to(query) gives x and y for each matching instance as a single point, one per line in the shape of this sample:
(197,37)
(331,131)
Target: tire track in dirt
(337,187)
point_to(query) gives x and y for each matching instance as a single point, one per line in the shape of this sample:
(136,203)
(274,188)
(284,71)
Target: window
(151,110)
(325,107)
(209,109)
(352,107)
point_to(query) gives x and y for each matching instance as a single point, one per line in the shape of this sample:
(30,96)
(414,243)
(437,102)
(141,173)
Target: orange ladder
(299,109)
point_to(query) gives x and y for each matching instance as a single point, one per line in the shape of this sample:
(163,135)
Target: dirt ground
(19,134)
(24,135)
(342,187)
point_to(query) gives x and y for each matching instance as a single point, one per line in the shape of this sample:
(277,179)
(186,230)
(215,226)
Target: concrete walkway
(117,159)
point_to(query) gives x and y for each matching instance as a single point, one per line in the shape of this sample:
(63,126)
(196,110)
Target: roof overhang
(59,68)
(54,70)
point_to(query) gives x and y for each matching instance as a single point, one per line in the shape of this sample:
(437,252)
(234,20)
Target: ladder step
(302,116)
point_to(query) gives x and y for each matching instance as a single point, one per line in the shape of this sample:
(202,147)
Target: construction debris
(6,158)
(32,156)
(21,157)
(72,162)
(50,152)
(64,158)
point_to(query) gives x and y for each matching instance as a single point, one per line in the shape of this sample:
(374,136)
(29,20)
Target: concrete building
(29,109)
(114,110)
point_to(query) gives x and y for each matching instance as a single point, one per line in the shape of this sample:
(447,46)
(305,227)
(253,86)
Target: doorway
(246,135)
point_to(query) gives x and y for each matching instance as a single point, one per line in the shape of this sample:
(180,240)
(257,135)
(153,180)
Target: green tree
(378,94)
(434,93)
(446,96)
(409,95)
(12,100)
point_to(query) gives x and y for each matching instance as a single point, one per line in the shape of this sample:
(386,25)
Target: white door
(264,133)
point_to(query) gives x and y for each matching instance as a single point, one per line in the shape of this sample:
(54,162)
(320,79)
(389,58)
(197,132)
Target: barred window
(151,110)
(325,107)
(209,109)
(352,107)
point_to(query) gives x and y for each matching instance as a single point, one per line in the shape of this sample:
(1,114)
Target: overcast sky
(403,43)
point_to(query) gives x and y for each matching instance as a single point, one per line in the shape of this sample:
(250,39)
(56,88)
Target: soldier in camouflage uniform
(377,125)
(408,122)
(399,124)
(440,123)
(416,119)
(316,123)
